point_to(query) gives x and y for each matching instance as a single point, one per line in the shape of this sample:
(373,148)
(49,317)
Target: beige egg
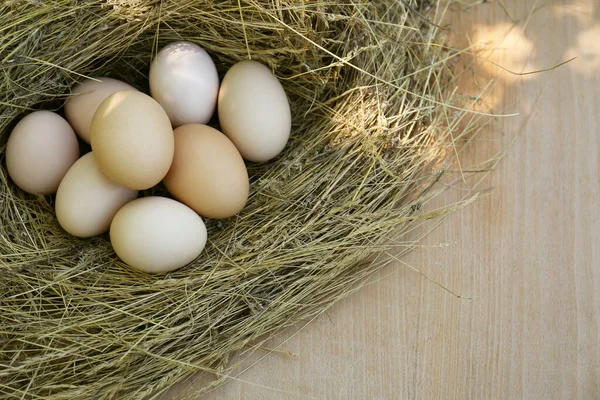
(87,201)
(132,139)
(254,111)
(40,150)
(208,174)
(184,80)
(157,235)
(87,96)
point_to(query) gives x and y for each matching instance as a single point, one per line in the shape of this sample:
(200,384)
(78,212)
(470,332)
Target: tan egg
(87,201)
(157,235)
(87,96)
(254,111)
(208,174)
(184,80)
(132,139)
(40,150)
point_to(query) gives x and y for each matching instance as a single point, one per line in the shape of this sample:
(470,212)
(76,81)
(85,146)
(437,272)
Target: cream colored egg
(254,111)
(184,80)
(132,139)
(87,201)
(208,174)
(87,96)
(157,235)
(40,150)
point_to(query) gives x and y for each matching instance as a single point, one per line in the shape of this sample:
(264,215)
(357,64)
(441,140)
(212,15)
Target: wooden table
(525,257)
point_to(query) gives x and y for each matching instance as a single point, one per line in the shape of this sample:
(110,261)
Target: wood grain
(525,257)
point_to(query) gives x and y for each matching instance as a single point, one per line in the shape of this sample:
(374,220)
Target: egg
(132,139)
(40,150)
(87,96)
(184,80)
(208,174)
(157,234)
(254,111)
(87,201)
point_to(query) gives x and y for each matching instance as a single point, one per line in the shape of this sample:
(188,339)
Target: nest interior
(368,84)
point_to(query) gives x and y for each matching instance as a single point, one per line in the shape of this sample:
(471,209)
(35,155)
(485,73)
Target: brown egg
(88,95)
(132,139)
(208,174)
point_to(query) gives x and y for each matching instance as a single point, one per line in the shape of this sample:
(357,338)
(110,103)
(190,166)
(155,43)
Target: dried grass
(376,123)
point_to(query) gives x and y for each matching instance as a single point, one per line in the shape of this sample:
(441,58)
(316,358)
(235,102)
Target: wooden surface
(525,257)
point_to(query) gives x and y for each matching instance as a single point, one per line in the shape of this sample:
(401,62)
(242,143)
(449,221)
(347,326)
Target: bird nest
(373,117)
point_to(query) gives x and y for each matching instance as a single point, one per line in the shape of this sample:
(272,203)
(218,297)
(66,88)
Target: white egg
(254,111)
(157,234)
(40,150)
(87,201)
(184,80)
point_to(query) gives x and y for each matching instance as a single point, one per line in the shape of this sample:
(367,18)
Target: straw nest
(368,84)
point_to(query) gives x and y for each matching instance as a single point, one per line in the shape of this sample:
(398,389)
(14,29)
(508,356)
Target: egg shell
(157,234)
(208,174)
(254,111)
(184,80)
(39,152)
(132,139)
(87,96)
(87,201)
